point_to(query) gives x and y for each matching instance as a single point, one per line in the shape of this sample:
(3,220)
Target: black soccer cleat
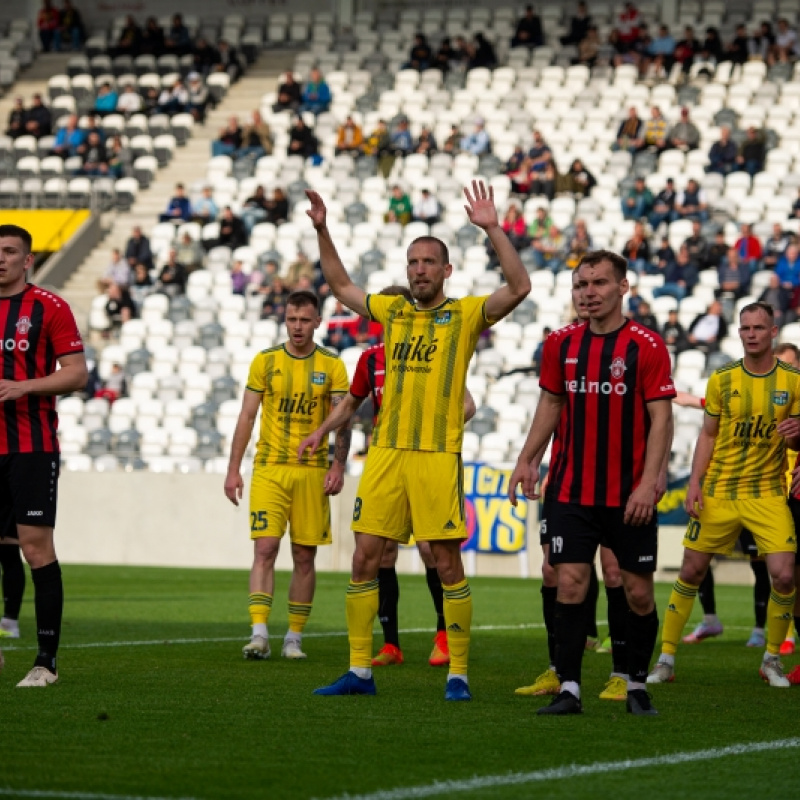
(639,703)
(563,703)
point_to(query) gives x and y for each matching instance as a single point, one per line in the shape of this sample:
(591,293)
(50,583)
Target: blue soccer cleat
(457,689)
(349,683)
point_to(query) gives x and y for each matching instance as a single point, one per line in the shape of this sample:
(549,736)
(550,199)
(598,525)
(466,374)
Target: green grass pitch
(155,701)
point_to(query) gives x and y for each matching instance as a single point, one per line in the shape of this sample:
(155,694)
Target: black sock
(591,603)
(13,579)
(618,628)
(642,635)
(437,595)
(49,603)
(549,613)
(796,628)
(570,640)
(705,593)
(388,598)
(761,591)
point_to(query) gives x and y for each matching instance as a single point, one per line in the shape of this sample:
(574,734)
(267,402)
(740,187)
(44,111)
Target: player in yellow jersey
(751,416)
(413,477)
(295,385)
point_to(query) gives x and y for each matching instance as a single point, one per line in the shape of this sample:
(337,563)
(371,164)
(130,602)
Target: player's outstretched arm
(339,415)
(482,212)
(687,400)
(71,377)
(334,480)
(703,451)
(345,291)
(234,485)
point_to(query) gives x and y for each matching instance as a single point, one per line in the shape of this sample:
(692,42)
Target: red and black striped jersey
(37,328)
(607,380)
(368,377)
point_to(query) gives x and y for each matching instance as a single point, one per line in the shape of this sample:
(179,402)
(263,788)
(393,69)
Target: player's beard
(424,294)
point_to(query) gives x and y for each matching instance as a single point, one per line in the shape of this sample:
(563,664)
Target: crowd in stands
(60,29)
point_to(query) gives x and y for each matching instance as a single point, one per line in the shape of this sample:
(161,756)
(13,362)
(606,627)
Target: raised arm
(482,212)
(335,274)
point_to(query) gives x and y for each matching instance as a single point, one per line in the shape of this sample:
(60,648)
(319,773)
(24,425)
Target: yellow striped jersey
(749,458)
(427,356)
(295,399)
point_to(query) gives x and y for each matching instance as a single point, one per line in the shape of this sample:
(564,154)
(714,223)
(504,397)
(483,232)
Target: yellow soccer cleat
(616,689)
(546,683)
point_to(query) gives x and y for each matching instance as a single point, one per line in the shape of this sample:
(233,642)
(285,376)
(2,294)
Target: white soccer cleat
(9,628)
(257,649)
(291,649)
(662,673)
(38,676)
(772,672)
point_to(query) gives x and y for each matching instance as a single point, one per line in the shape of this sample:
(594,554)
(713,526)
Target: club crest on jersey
(318,378)
(618,367)
(780,398)
(24,324)
(442,318)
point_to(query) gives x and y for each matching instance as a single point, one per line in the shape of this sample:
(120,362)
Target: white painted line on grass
(6,792)
(562,773)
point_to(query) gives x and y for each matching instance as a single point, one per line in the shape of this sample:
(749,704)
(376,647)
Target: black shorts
(29,489)
(748,543)
(794,507)
(544,534)
(576,532)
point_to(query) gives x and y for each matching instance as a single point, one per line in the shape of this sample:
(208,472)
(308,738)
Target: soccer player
(751,416)
(413,477)
(548,683)
(40,335)
(368,381)
(13,585)
(607,384)
(294,384)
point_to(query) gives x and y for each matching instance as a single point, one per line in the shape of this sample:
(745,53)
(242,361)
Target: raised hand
(317,212)
(481,209)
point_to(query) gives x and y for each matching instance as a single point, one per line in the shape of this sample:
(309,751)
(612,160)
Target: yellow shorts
(280,494)
(405,490)
(721,522)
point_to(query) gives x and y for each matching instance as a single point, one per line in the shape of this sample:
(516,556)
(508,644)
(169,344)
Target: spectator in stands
(95,157)
(118,272)
(637,249)
(137,249)
(786,47)
(477,142)
(578,244)
(426,142)
(72,27)
(198,96)
(232,232)
(68,138)
(177,39)
(664,258)
(427,208)
(691,202)
(542,176)
(723,153)
(277,207)
(38,120)
(638,201)
(378,145)
(733,276)
(482,53)
(712,45)
(752,152)
(549,251)
(419,58)
(172,277)
(106,101)
(698,246)
(49,24)
(239,279)
(141,286)
(400,209)
(518,170)
(737,50)
(655,132)
(452,142)
(760,44)
(189,253)
(129,102)
(687,49)
(16,119)
(627,28)
(749,248)
(120,158)
(775,246)
(515,228)
(274,306)
(680,277)
(589,48)
(780,298)
(129,39)
(254,209)
(654,72)
(300,268)
(663,44)
(645,317)
(119,306)
(402,142)
(663,206)
(529,32)
(205,209)
(302,141)
(577,180)
(630,133)
(316,95)
(150,97)
(788,269)
(684,135)
(288,94)
(256,139)
(444,56)
(178,208)
(717,252)
(795,213)
(633,301)
(230,139)
(540,225)
(349,137)
(152,38)
(228,60)
(579,25)
(338,338)
(174,100)
(673,334)
(205,57)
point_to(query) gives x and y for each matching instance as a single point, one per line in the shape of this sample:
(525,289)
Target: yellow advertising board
(51,229)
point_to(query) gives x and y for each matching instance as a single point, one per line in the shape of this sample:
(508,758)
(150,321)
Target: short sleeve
(378,306)
(339,382)
(713,404)
(657,374)
(63,331)
(256,379)
(794,411)
(551,375)
(360,387)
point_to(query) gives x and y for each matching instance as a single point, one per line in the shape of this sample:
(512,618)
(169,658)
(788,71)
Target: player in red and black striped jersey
(607,389)
(42,357)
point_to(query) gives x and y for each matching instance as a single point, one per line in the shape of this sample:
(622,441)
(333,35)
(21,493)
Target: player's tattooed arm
(344,434)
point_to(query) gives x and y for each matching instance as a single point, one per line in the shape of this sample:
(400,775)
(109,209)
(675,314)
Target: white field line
(6,792)
(564,773)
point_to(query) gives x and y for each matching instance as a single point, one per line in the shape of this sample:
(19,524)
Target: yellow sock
(260,606)
(298,616)
(362,608)
(779,617)
(458,621)
(679,607)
